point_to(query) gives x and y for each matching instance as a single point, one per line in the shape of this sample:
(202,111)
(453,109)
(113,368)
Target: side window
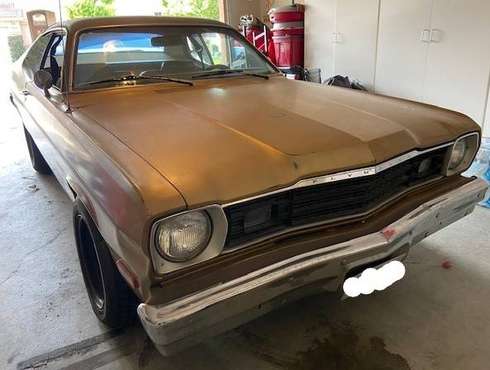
(231,52)
(53,58)
(59,53)
(217,46)
(238,54)
(34,57)
(227,50)
(197,49)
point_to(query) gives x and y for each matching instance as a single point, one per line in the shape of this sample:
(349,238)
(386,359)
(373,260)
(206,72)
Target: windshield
(109,56)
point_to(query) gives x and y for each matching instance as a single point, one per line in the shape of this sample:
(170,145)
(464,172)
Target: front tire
(112,300)
(37,160)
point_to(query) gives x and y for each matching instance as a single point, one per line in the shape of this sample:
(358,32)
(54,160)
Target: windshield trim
(76,39)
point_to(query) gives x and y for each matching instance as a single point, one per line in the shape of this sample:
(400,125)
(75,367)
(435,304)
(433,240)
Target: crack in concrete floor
(44,245)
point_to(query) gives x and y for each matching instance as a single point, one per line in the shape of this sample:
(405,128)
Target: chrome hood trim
(344,175)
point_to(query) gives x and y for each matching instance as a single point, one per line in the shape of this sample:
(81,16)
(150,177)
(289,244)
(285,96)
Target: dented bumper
(187,321)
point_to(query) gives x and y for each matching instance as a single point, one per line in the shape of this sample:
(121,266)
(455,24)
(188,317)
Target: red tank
(288,36)
(285,14)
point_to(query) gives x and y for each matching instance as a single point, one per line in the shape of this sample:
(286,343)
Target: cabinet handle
(435,35)
(425,35)
(337,37)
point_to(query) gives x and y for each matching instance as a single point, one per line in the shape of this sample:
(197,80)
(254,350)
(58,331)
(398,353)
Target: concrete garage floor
(433,319)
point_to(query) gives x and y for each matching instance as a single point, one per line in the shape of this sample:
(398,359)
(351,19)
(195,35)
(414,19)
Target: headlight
(462,153)
(183,237)
(457,155)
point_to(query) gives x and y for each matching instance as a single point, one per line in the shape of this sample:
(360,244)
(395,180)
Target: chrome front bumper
(187,321)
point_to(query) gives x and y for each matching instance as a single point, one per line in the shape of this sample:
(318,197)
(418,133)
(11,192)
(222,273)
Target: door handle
(425,35)
(25,92)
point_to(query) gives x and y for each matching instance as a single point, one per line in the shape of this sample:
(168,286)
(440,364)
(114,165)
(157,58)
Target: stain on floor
(332,346)
(345,350)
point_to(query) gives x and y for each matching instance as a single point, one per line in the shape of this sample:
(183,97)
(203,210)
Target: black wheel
(112,300)
(37,159)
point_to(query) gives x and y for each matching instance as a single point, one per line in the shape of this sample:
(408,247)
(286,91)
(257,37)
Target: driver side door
(46,116)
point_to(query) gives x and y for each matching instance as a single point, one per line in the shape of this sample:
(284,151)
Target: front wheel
(37,160)
(112,300)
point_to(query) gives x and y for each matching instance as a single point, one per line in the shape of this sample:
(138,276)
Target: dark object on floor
(343,81)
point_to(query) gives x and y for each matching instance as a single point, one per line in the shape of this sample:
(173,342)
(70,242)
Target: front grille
(320,203)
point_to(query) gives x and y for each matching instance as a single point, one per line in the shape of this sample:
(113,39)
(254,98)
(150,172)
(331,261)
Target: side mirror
(43,80)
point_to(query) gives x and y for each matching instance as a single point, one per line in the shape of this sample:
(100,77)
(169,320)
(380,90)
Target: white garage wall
(319,30)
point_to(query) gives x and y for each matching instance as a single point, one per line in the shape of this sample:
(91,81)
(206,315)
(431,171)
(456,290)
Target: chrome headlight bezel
(470,144)
(213,247)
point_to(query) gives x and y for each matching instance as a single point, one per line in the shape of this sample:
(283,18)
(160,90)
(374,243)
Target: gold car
(209,189)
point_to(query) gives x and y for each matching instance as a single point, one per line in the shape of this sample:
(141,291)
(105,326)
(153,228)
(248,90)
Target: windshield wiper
(238,72)
(165,78)
(141,76)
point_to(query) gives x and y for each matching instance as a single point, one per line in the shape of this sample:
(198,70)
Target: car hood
(227,139)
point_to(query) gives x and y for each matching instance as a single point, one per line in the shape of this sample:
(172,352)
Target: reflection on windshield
(107,56)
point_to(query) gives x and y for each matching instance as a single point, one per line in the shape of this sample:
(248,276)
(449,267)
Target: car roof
(121,21)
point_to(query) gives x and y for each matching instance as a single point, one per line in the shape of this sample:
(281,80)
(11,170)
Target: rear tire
(37,160)
(113,302)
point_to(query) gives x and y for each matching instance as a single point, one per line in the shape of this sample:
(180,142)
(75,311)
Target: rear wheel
(37,159)
(112,300)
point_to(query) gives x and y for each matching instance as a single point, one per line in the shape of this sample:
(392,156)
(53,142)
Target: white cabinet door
(458,63)
(402,55)
(355,48)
